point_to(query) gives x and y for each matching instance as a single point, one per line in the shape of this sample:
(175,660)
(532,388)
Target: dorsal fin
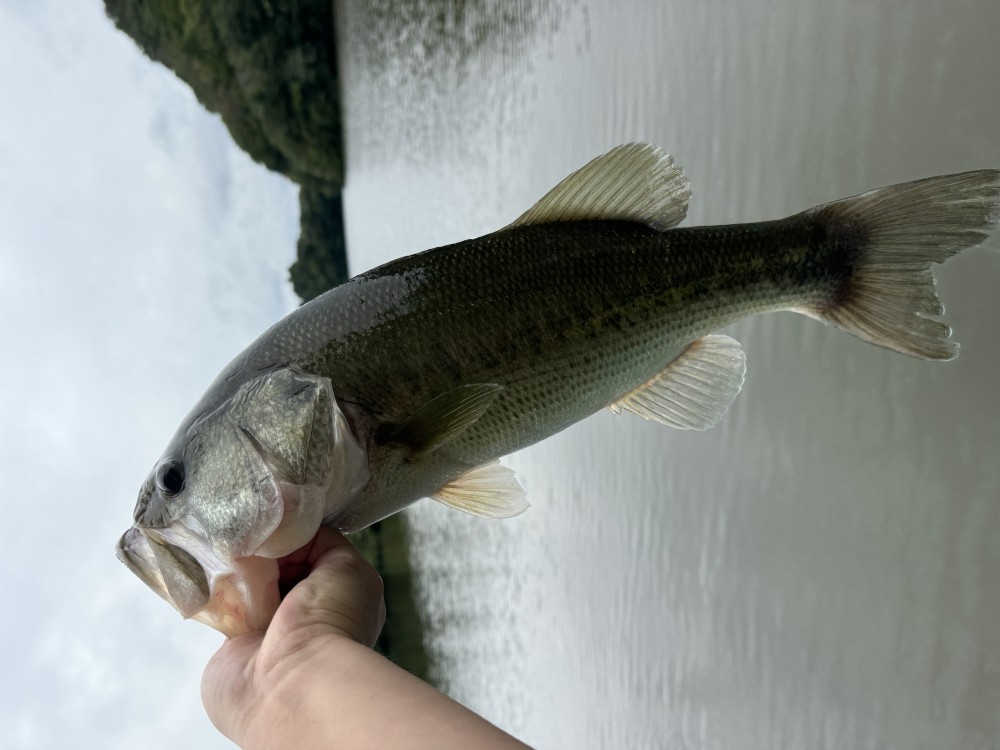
(634,182)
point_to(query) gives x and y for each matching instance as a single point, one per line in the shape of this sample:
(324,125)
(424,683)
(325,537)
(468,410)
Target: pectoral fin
(445,417)
(695,389)
(490,491)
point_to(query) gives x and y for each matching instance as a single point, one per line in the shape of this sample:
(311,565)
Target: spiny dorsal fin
(446,416)
(634,182)
(490,491)
(694,390)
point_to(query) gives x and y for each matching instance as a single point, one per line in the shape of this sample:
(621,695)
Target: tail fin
(896,233)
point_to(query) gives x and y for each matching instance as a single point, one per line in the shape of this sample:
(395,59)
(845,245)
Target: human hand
(336,598)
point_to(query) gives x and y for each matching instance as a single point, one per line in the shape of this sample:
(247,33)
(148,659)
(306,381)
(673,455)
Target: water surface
(820,571)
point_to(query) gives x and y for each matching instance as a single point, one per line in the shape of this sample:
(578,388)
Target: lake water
(819,571)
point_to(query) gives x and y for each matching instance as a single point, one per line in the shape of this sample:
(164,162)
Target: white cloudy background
(128,221)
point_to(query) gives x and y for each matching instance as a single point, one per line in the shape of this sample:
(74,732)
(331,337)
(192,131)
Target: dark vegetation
(322,251)
(268,68)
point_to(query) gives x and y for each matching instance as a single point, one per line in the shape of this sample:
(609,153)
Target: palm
(334,594)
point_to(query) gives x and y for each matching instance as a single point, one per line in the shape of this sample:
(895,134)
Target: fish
(413,379)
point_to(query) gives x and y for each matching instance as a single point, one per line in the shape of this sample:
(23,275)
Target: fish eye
(170,478)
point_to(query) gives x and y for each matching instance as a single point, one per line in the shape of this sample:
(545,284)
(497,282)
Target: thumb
(341,594)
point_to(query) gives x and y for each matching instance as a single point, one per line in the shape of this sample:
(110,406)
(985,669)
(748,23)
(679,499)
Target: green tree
(322,257)
(268,67)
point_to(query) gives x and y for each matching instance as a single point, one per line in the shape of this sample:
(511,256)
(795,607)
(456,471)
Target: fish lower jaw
(244,598)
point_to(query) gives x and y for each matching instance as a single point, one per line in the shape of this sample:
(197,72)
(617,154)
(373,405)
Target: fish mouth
(234,596)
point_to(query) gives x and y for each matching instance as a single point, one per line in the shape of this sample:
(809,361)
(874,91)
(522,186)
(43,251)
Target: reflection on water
(423,38)
(819,571)
(428,70)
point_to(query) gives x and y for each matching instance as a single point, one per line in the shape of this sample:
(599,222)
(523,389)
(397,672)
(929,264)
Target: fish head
(239,487)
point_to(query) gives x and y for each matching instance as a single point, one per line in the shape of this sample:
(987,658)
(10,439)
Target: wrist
(339,693)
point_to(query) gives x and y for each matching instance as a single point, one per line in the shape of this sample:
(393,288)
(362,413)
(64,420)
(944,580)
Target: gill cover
(264,464)
(293,421)
(258,474)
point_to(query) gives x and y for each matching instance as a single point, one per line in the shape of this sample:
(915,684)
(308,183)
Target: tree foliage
(268,67)
(322,257)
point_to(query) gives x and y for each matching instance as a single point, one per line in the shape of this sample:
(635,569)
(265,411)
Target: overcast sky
(139,251)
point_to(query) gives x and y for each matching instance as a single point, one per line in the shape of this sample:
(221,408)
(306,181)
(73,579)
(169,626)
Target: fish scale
(412,379)
(530,308)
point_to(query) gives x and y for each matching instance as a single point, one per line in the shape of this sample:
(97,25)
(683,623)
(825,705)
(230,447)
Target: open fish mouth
(233,596)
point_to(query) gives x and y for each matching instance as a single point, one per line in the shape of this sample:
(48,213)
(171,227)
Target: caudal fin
(894,235)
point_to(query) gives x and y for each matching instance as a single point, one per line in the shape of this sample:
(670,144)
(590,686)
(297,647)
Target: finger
(296,566)
(342,592)
(324,539)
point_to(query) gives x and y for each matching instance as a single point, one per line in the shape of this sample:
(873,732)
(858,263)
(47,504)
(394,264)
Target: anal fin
(489,491)
(695,389)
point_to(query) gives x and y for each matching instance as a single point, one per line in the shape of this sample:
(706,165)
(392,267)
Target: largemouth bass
(412,380)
